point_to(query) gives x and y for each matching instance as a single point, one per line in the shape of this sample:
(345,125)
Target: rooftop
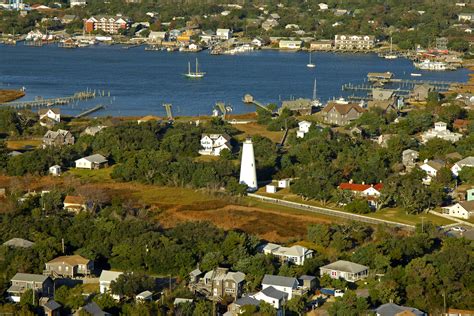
(18,242)
(345,266)
(274,293)
(97,158)
(109,276)
(28,277)
(279,280)
(70,260)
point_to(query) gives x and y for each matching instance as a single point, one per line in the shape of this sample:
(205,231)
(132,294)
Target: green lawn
(100,175)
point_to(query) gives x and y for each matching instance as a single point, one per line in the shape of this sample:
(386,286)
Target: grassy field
(10,95)
(395,215)
(253,129)
(101,175)
(23,144)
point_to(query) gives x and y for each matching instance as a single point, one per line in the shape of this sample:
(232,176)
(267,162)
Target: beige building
(354,42)
(69,266)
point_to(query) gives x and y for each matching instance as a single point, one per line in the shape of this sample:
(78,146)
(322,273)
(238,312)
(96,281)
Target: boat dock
(38,103)
(90,111)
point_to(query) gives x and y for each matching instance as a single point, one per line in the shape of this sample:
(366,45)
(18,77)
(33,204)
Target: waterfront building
(289,44)
(223,34)
(321,45)
(107,24)
(354,42)
(248,171)
(341,113)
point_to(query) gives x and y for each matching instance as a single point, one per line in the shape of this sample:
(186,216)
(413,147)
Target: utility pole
(62,244)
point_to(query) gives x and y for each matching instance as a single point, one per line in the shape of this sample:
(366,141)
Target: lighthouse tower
(248,173)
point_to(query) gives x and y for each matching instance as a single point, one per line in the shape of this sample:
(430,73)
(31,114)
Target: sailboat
(310,64)
(390,55)
(194,75)
(315,102)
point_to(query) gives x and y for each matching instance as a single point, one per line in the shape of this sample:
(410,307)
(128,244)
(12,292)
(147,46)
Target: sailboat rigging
(194,75)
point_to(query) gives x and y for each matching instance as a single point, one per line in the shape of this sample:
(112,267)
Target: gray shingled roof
(274,293)
(247,300)
(18,242)
(29,277)
(468,161)
(345,266)
(391,309)
(279,280)
(97,158)
(94,309)
(52,305)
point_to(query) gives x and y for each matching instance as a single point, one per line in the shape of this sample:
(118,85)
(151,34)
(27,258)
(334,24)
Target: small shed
(284,183)
(270,188)
(55,170)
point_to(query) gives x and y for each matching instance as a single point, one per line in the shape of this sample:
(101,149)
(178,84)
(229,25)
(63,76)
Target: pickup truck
(332,292)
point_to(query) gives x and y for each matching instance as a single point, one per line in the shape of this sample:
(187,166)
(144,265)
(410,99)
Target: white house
(303,128)
(346,270)
(55,170)
(105,279)
(440,130)
(272,296)
(323,6)
(294,254)
(96,161)
(466,162)
(284,183)
(463,210)
(289,44)
(271,188)
(49,117)
(280,283)
(223,34)
(431,167)
(466,17)
(77,3)
(213,144)
(156,36)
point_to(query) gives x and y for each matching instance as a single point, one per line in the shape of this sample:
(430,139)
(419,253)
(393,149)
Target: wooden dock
(39,103)
(90,111)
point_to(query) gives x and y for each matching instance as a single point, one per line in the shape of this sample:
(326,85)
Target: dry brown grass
(10,95)
(253,129)
(23,144)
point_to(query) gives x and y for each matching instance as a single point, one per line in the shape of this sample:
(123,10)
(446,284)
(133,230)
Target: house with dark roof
(218,283)
(236,307)
(91,309)
(69,267)
(51,308)
(21,282)
(391,309)
(300,106)
(272,296)
(338,113)
(346,270)
(58,138)
(281,283)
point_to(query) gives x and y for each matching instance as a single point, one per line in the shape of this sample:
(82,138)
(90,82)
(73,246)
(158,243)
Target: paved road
(330,212)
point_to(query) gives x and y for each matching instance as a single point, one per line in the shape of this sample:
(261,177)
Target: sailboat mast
(314,90)
(189,67)
(196,65)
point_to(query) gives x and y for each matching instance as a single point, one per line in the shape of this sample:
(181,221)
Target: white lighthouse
(248,172)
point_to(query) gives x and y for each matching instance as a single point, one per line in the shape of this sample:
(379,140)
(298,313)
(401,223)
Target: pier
(38,103)
(90,111)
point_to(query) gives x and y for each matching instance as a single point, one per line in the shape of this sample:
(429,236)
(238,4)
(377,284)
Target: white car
(458,229)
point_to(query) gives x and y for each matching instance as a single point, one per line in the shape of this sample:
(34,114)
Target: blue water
(141,81)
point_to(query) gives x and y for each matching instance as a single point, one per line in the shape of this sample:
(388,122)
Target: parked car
(458,229)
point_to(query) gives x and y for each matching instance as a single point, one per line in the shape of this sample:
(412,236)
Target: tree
(359,206)
(203,308)
(296,305)
(319,234)
(28,298)
(131,284)
(348,305)
(466,175)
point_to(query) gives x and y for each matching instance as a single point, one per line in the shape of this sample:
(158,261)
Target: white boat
(431,65)
(194,75)
(390,55)
(415,74)
(310,64)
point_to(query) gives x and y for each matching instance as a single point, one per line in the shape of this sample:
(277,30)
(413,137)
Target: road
(330,212)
